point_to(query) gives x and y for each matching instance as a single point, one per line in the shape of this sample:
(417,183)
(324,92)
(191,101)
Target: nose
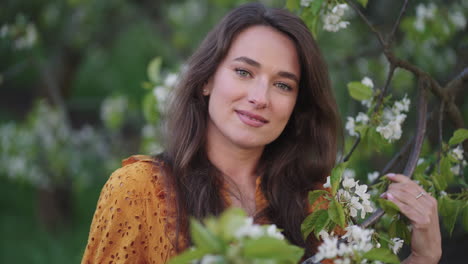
(258,95)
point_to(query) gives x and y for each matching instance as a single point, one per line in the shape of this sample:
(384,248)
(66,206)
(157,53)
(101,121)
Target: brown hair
(295,163)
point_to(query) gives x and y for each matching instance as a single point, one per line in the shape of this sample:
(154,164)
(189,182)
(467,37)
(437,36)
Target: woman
(253,124)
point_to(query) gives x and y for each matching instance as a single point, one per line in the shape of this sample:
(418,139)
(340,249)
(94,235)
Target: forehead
(266,45)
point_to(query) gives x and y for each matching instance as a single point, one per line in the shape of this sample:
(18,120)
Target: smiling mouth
(251,119)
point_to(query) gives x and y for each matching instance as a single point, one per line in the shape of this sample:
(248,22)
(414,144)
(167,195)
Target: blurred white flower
(423,14)
(396,245)
(351,126)
(211,259)
(458,19)
(457,153)
(306,3)
(372,176)
(333,20)
(249,229)
(272,231)
(170,80)
(349,173)
(327,184)
(362,118)
(28,39)
(393,118)
(368,82)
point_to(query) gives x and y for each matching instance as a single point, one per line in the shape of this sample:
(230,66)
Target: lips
(251,119)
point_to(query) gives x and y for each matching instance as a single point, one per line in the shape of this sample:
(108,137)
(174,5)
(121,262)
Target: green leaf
(315,221)
(188,256)
(154,69)
(399,228)
(363,2)
(459,136)
(292,4)
(381,254)
(449,210)
(314,195)
(445,171)
(465,217)
(335,177)
(439,181)
(204,239)
(270,248)
(336,213)
(359,91)
(149,108)
(388,206)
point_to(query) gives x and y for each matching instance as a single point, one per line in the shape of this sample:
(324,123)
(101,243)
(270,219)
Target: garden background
(83,85)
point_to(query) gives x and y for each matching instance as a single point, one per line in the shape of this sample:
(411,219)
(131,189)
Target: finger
(409,200)
(398,177)
(417,219)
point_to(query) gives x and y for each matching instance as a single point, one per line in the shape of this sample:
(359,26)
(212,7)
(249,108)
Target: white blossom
(249,230)
(327,184)
(348,183)
(393,118)
(458,19)
(306,3)
(333,20)
(349,173)
(351,126)
(362,118)
(457,153)
(28,39)
(272,231)
(211,259)
(423,14)
(396,244)
(170,80)
(373,176)
(368,82)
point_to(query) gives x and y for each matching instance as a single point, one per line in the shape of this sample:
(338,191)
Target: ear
(207,87)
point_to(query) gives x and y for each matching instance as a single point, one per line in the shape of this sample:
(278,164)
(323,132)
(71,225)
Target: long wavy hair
(295,163)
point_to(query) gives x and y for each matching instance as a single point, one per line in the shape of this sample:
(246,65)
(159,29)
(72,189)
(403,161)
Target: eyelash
(284,87)
(244,73)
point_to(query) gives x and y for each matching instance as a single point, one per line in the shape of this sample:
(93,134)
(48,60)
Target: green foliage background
(86,51)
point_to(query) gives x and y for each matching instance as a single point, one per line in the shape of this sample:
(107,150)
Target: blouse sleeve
(127,226)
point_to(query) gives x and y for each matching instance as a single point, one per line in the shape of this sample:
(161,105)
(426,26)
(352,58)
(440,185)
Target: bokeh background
(83,85)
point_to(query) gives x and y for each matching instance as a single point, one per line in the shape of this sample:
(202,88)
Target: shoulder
(137,174)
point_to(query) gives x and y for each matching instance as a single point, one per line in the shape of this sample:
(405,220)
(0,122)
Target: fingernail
(383,195)
(390,196)
(391,175)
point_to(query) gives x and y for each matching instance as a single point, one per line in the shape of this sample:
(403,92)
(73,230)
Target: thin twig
(363,17)
(391,71)
(356,143)
(397,23)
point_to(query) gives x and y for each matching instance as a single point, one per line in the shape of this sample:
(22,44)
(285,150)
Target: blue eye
(284,86)
(242,73)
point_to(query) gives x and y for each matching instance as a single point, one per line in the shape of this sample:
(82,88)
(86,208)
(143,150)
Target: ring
(420,194)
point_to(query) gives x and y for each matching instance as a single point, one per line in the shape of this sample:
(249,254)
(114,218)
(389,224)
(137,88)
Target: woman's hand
(421,209)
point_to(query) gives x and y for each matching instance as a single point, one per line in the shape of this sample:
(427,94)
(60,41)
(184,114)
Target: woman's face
(254,89)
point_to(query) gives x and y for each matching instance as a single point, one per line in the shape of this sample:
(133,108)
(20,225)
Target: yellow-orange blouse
(134,221)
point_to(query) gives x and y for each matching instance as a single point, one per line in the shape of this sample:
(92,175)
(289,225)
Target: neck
(238,164)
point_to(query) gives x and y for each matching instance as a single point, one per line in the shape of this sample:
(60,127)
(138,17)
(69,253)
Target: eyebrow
(256,64)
